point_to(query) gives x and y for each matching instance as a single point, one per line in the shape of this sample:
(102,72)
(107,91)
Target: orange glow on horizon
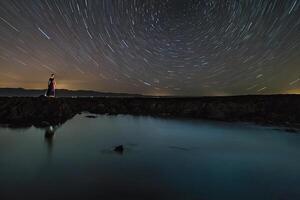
(293,91)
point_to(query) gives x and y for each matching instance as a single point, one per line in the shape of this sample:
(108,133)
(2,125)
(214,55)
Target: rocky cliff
(279,110)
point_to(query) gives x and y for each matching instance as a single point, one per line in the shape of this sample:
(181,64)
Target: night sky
(157,47)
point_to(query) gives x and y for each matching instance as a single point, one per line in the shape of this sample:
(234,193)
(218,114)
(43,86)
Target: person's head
(52,75)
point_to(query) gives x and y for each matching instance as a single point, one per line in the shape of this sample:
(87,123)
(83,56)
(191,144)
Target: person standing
(51,87)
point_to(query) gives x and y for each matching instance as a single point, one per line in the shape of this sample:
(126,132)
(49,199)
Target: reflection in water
(162,159)
(49,136)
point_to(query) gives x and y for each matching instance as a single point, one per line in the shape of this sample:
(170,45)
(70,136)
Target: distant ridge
(21,92)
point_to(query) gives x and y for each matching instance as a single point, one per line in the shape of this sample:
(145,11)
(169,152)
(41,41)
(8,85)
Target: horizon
(293,92)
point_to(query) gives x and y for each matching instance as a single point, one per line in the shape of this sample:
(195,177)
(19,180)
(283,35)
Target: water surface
(163,159)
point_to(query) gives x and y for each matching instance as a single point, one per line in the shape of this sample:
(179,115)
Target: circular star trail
(166,47)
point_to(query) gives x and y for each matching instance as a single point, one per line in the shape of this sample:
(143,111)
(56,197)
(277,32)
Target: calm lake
(163,159)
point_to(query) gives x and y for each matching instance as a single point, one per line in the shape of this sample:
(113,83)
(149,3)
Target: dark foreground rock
(91,116)
(279,110)
(119,149)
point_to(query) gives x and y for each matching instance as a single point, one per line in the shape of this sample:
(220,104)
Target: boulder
(119,149)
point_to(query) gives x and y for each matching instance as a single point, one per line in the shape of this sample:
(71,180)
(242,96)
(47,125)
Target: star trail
(157,47)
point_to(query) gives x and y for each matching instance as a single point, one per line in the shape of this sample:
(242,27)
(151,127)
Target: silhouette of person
(51,87)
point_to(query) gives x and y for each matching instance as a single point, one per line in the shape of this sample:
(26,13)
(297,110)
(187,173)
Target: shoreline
(267,110)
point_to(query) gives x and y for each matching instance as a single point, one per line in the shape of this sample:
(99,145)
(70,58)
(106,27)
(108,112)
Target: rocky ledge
(278,110)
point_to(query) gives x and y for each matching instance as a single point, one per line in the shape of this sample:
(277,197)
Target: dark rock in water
(119,149)
(290,130)
(91,116)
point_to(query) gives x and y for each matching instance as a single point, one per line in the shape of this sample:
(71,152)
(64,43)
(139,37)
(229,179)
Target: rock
(44,124)
(290,130)
(119,149)
(91,116)
(277,110)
